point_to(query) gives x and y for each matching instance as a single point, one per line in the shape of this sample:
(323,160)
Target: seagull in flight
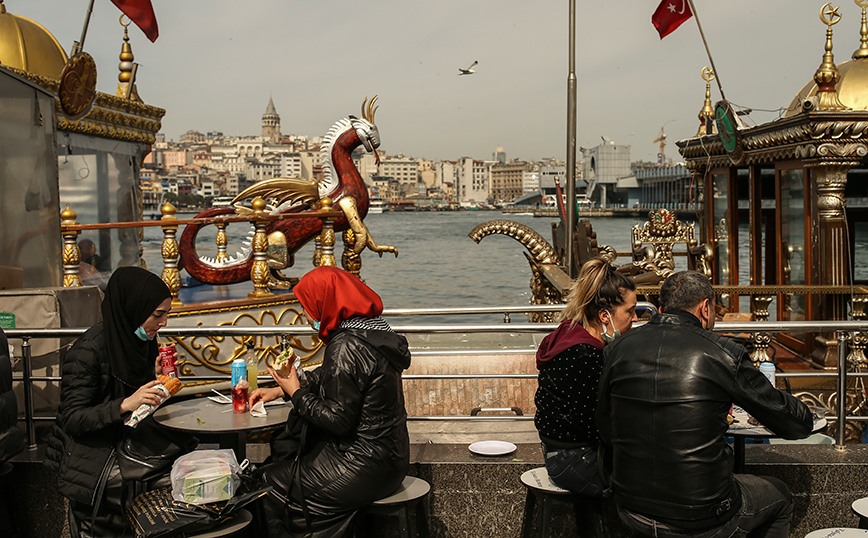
(469,70)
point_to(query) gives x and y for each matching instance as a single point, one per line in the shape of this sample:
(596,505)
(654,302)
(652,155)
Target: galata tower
(271,122)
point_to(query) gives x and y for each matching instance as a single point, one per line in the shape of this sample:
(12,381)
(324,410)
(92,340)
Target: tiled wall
(457,397)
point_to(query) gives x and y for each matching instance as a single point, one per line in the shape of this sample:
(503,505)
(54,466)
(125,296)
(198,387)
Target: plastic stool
(538,485)
(408,495)
(838,532)
(860,508)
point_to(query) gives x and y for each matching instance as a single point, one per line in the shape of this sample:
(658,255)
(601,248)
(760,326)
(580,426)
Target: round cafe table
(838,532)
(740,434)
(204,416)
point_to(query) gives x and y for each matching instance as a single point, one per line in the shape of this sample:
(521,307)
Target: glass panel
(792,247)
(97,180)
(860,252)
(29,214)
(720,186)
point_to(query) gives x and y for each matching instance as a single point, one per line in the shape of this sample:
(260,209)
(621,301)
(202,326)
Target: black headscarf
(131,296)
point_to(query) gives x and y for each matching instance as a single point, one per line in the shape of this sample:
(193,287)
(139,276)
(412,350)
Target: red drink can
(167,361)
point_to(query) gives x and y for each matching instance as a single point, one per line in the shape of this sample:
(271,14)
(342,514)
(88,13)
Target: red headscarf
(331,296)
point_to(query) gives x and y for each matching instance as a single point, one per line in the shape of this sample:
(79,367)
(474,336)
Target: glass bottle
(252,366)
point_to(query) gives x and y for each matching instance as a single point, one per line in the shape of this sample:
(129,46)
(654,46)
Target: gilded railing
(259,273)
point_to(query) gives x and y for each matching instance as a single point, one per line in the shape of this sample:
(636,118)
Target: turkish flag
(669,15)
(140,12)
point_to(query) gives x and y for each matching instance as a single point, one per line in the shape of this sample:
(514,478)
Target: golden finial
(862,51)
(707,112)
(67,214)
(827,74)
(126,56)
(2,7)
(168,210)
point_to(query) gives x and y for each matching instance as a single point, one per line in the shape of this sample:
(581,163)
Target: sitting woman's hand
(289,384)
(146,394)
(265,395)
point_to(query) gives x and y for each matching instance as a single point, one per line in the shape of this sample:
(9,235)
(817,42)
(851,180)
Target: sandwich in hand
(283,362)
(172,384)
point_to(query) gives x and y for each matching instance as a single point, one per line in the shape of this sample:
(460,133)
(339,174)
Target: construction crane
(661,157)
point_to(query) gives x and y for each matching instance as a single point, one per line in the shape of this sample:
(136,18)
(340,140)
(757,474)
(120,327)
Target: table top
(838,532)
(206,416)
(760,431)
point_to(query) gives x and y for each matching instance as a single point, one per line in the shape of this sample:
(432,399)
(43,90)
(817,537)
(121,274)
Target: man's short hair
(684,291)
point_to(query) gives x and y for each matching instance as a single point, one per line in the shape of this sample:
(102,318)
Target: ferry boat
(378,205)
(222,201)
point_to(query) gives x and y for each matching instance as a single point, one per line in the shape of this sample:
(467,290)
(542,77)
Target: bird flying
(469,70)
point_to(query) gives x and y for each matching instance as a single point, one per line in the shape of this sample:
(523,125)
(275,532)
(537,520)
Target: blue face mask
(142,335)
(315,325)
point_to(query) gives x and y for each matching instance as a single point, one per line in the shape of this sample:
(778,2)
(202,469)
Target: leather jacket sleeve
(778,411)
(344,374)
(84,408)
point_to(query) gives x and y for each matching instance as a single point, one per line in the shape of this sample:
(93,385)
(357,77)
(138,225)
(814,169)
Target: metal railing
(841,328)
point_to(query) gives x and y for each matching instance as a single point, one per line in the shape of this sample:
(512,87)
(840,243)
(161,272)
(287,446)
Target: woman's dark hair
(599,287)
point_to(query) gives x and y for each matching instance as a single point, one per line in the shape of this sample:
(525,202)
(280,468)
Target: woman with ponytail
(600,307)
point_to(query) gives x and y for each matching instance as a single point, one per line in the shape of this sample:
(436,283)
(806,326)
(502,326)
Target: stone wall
(457,397)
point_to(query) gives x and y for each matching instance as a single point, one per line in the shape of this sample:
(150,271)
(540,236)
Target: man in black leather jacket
(665,392)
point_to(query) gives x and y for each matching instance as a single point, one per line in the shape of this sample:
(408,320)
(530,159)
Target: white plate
(492,448)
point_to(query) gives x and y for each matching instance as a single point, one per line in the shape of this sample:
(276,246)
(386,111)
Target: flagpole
(78,46)
(570,224)
(707,50)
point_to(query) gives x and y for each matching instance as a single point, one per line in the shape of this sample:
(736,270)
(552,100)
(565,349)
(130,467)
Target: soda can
(239,371)
(167,361)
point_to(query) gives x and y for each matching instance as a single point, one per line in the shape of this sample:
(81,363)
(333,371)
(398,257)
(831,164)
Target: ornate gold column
(259,272)
(761,340)
(834,251)
(170,252)
(317,250)
(222,241)
(327,258)
(71,253)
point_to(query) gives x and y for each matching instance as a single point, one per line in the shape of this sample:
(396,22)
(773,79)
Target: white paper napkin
(258,410)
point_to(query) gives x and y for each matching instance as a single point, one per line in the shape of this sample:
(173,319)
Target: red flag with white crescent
(140,12)
(669,15)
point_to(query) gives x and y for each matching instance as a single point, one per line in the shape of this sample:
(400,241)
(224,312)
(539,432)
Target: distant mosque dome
(26,45)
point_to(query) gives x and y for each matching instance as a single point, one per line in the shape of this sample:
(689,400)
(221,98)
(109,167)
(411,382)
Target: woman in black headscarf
(107,374)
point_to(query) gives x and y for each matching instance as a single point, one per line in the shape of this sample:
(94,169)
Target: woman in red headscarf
(353,447)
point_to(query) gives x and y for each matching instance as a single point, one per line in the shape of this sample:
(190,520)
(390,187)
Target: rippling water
(438,264)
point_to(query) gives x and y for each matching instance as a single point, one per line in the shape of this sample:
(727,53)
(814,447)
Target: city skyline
(216,63)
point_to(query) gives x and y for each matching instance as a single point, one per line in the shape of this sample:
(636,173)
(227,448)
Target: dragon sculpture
(341,182)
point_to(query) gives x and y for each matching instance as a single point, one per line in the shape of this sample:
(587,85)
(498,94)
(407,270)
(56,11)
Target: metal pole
(26,365)
(841,407)
(707,50)
(570,225)
(78,46)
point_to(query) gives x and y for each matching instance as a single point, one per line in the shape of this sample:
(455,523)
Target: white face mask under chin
(615,332)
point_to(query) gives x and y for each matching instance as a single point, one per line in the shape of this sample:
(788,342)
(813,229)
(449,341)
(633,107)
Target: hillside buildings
(213,164)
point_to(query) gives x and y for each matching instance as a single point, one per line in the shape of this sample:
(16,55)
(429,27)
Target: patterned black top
(566,398)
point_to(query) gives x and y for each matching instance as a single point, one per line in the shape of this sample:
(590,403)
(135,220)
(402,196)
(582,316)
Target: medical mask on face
(142,335)
(315,325)
(615,332)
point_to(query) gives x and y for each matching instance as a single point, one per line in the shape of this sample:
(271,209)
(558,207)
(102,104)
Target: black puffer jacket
(355,402)
(89,421)
(665,391)
(11,436)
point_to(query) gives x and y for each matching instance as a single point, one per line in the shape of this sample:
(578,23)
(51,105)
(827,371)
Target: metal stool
(538,485)
(410,494)
(838,532)
(860,508)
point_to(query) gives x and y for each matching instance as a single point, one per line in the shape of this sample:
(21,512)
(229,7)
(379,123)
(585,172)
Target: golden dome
(852,87)
(26,45)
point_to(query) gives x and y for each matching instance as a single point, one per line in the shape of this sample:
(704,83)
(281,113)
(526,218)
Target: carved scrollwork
(853,149)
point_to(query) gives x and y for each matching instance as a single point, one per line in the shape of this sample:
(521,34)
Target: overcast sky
(216,62)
